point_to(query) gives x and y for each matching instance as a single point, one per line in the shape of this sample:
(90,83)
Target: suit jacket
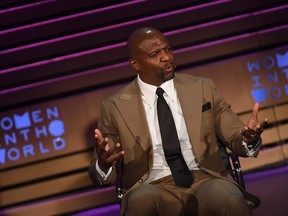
(207,116)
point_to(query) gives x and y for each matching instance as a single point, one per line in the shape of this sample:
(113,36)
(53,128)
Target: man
(131,144)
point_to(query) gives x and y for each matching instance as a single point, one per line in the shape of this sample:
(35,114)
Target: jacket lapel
(131,108)
(190,97)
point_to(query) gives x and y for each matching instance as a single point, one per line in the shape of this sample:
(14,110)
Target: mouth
(169,67)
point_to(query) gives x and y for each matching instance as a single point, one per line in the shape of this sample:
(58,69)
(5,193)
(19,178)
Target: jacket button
(140,181)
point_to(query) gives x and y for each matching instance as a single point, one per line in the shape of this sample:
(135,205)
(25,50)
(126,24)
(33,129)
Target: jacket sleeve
(227,123)
(97,178)
(105,125)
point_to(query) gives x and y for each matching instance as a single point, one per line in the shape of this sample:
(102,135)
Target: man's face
(154,60)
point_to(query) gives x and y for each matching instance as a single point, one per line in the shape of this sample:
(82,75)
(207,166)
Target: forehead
(154,42)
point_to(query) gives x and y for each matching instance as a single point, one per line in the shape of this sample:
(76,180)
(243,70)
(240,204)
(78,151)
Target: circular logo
(56,128)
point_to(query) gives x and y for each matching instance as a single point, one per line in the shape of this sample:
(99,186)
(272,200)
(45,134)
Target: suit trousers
(207,196)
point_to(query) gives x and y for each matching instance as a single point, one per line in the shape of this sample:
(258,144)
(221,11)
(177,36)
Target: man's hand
(254,128)
(106,155)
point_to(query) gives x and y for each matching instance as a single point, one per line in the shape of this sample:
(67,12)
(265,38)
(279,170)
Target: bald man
(129,149)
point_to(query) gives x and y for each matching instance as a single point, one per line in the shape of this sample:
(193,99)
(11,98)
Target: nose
(165,55)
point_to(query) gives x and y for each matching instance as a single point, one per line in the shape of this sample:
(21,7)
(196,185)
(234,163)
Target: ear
(134,64)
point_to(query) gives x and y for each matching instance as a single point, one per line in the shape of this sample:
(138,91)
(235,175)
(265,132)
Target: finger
(112,156)
(255,111)
(104,146)
(264,123)
(113,149)
(102,143)
(250,134)
(98,136)
(245,133)
(248,130)
(118,155)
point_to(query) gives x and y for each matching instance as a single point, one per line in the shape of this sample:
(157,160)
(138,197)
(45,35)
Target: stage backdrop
(60,58)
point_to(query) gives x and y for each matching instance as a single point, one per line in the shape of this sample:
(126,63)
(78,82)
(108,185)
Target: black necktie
(171,145)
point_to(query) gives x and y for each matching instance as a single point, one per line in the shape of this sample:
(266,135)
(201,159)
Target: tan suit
(123,120)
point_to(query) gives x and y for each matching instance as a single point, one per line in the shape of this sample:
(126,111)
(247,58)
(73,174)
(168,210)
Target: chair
(232,163)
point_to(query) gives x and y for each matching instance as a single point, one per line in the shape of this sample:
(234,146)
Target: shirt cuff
(101,173)
(252,150)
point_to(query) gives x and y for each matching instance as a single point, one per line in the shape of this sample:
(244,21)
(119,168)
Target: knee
(143,201)
(236,205)
(234,200)
(146,195)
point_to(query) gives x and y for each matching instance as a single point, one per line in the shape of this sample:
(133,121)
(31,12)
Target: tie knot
(160,92)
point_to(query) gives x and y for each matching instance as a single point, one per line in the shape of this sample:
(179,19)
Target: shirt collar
(169,89)
(149,91)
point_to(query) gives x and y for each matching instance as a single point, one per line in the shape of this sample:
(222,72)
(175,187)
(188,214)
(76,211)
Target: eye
(153,54)
(168,48)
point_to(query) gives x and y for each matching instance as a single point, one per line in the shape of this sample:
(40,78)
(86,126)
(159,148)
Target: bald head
(150,55)
(138,36)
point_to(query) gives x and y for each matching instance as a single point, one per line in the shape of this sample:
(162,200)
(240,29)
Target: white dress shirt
(149,98)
